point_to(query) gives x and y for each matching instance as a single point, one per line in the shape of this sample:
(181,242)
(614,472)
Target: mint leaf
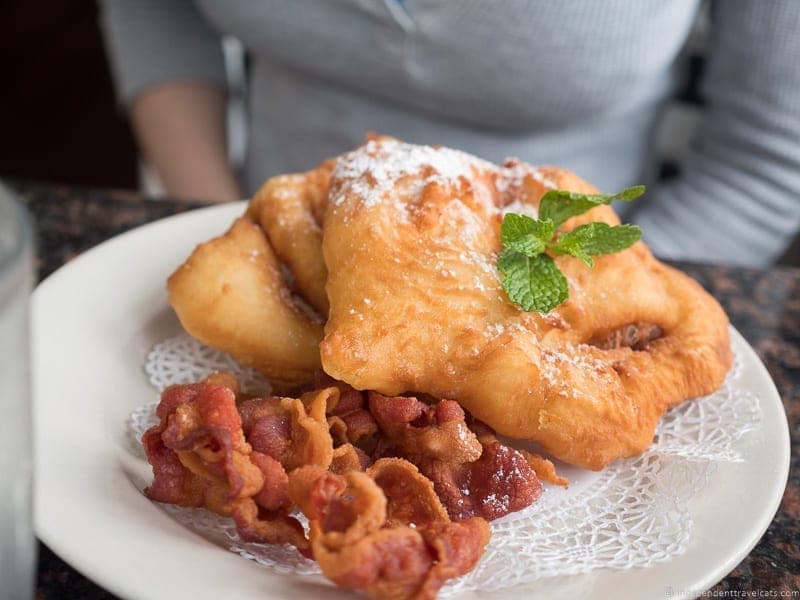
(560,205)
(572,246)
(525,234)
(594,239)
(530,277)
(533,283)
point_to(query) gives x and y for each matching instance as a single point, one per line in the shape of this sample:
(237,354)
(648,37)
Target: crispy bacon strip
(348,416)
(292,431)
(274,494)
(172,482)
(257,525)
(198,447)
(385,528)
(266,426)
(363,538)
(498,483)
(544,469)
(348,457)
(200,458)
(454,545)
(417,431)
(472,472)
(311,440)
(344,517)
(411,499)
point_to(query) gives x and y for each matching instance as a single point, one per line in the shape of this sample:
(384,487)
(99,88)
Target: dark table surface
(764,305)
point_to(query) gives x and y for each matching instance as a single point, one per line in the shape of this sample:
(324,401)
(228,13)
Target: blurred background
(59,119)
(61,123)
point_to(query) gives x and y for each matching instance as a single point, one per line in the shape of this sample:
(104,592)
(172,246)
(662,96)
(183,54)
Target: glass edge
(17,252)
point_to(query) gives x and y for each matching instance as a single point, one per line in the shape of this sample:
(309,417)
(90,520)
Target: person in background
(578,84)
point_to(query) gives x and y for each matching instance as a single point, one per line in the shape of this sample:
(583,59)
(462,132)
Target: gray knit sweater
(577,83)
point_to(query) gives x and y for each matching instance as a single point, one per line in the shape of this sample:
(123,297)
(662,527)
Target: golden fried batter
(410,240)
(289,209)
(230,295)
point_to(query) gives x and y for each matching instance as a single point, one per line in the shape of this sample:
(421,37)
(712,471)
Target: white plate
(94,321)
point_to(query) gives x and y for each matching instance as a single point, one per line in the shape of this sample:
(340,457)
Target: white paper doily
(632,514)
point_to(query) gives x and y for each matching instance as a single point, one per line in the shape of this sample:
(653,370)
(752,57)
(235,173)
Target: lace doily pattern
(633,514)
(182,359)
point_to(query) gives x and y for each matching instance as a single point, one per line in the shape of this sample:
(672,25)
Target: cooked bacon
(457,548)
(172,482)
(473,473)
(361,539)
(274,494)
(349,458)
(347,516)
(350,400)
(348,417)
(257,525)
(201,428)
(200,458)
(311,440)
(356,427)
(266,426)
(418,431)
(359,424)
(498,483)
(338,430)
(411,498)
(398,528)
(292,431)
(544,469)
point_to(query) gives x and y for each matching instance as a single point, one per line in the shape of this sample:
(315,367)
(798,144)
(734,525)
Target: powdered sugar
(521,208)
(513,173)
(373,170)
(389,176)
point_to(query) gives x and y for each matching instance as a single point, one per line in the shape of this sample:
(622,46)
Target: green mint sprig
(530,276)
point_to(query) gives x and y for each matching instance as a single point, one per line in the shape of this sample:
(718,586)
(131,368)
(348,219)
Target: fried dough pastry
(290,210)
(396,246)
(230,294)
(410,241)
(257,292)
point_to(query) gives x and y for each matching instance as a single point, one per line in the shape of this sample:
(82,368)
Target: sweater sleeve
(151,42)
(738,198)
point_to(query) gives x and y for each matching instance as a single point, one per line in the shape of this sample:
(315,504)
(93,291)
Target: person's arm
(738,198)
(168,67)
(181,130)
